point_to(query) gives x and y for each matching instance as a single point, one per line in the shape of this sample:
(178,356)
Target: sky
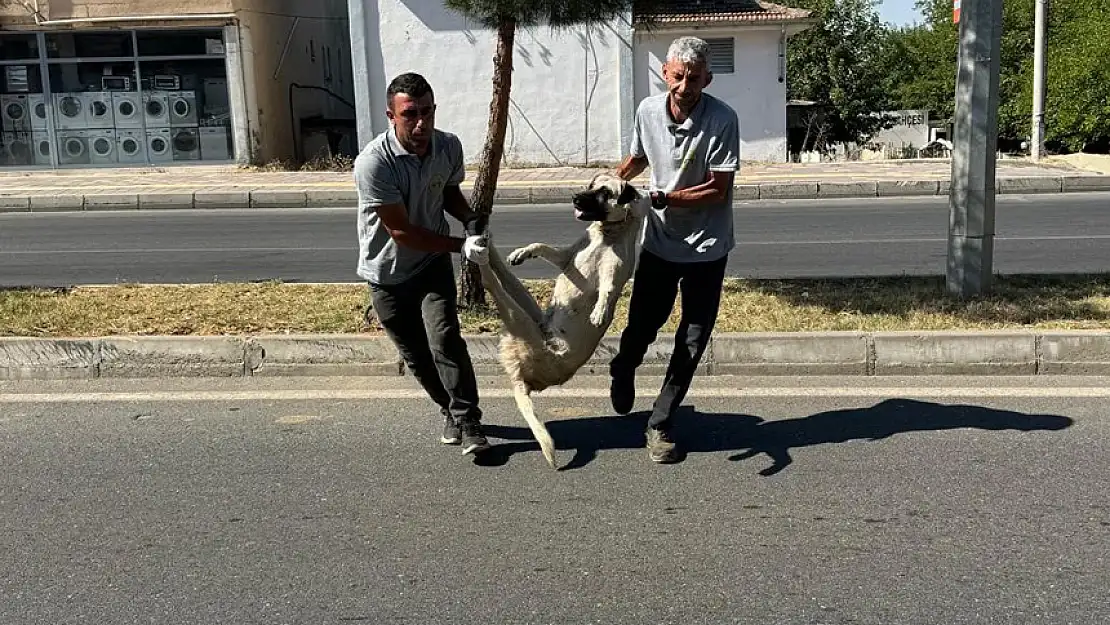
(899,12)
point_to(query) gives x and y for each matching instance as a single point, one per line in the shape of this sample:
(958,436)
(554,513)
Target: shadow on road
(751,436)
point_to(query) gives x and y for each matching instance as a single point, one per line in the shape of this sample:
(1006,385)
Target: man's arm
(724,162)
(711,192)
(379,195)
(456,205)
(396,222)
(454,202)
(631,167)
(636,161)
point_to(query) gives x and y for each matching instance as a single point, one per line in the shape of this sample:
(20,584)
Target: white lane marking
(1085,237)
(269,250)
(181,250)
(594,393)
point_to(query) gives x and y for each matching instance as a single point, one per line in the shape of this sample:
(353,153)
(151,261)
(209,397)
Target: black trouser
(654,289)
(421,316)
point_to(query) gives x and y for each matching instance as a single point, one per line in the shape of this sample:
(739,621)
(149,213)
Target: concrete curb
(536,194)
(803,353)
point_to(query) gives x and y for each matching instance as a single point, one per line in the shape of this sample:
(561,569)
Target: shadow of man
(883,420)
(752,436)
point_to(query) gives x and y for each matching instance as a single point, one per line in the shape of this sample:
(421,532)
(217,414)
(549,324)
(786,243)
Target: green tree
(925,59)
(920,68)
(921,62)
(506,16)
(1077,77)
(838,65)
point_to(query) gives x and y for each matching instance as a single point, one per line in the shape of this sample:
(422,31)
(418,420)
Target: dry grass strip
(1060,302)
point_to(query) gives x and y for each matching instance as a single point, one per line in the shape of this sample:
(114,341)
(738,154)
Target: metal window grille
(722,55)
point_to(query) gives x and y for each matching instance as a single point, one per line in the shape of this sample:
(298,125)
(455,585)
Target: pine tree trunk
(471,293)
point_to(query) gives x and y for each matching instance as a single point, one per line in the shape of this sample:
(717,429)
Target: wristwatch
(659,199)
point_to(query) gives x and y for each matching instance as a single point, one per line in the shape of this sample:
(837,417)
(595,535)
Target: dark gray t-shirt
(681,156)
(386,173)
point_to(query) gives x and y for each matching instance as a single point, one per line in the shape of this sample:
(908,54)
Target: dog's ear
(593,181)
(628,194)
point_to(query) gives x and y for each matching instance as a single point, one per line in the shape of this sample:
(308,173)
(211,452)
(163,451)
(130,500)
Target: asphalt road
(801,502)
(1060,233)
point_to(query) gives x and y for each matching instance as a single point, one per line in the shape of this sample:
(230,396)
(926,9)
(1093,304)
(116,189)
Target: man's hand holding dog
(476,250)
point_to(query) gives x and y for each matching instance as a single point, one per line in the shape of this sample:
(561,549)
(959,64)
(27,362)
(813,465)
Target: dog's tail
(539,430)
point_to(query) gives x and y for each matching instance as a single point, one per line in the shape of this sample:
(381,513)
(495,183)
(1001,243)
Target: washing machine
(20,149)
(183,108)
(14,111)
(73,147)
(40,141)
(156,109)
(36,103)
(16,148)
(99,107)
(71,111)
(186,144)
(103,147)
(159,145)
(214,144)
(131,146)
(126,109)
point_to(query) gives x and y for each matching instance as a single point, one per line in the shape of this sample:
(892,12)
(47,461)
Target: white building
(575,91)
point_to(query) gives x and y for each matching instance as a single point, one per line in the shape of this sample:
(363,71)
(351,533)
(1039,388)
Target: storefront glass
(104,105)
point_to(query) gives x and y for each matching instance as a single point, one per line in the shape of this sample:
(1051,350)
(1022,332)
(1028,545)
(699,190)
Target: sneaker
(660,447)
(473,441)
(452,434)
(622,393)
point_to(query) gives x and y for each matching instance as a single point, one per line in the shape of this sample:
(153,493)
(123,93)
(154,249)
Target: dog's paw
(519,255)
(598,317)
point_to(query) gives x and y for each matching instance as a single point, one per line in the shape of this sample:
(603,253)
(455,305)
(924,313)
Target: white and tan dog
(543,348)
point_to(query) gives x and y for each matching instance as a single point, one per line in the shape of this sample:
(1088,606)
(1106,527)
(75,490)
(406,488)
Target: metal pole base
(970,265)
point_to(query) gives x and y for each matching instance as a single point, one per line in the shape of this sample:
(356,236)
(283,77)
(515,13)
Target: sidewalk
(1017,352)
(232,187)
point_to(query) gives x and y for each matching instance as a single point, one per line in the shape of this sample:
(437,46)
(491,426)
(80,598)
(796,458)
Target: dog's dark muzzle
(587,208)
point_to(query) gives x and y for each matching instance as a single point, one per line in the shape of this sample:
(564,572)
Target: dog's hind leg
(524,402)
(523,320)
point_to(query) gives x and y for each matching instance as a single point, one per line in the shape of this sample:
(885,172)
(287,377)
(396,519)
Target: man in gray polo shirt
(407,178)
(691,141)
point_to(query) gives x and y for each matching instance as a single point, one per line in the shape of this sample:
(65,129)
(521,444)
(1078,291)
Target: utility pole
(1037,148)
(975,145)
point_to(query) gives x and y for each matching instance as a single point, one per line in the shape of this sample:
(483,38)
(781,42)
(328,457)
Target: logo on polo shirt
(437,183)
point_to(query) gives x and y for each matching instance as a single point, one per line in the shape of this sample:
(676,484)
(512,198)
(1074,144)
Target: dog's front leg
(607,296)
(560,257)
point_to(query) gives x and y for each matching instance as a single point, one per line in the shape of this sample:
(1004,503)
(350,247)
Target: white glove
(475,250)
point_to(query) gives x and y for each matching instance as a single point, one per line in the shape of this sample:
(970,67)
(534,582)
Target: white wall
(561,80)
(317,52)
(753,90)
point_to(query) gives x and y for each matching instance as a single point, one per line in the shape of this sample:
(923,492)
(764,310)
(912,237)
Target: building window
(16,47)
(81,45)
(722,55)
(116,97)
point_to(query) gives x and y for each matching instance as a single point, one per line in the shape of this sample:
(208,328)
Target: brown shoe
(661,448)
